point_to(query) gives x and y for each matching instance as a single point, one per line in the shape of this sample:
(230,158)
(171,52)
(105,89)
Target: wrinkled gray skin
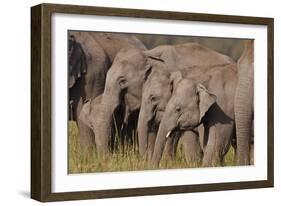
(159,85)
(113,42)
(90,57)
(244,104)
(131,68)
(189,55)
(202,104)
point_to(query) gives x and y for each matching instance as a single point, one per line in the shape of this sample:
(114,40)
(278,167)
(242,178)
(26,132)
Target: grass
(123,159)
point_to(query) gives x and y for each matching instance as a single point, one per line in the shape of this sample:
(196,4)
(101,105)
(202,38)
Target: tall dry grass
(123,158)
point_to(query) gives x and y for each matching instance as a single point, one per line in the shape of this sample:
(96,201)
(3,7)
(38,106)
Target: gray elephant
(90,57)
(88,65)
(91,111)
(202,104)
(244,103)
(157,91)
(132,67)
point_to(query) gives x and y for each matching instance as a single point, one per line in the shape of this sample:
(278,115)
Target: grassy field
(126,159)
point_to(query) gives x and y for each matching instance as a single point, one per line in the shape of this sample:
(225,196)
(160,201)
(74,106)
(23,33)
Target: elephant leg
(86,134)
(219,138)
(191,147)
(202,141)
(86,137)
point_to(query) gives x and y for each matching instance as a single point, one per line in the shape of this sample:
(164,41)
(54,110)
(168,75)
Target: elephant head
(130,69)
(185,110)
(77,61)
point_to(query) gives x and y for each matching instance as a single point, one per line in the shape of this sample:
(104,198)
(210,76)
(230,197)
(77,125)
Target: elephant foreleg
(191,148)
(86,137)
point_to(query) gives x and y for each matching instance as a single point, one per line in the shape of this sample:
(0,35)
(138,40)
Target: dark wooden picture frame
(41,102)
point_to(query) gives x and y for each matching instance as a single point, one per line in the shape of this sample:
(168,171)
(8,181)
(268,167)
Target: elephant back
(113,42)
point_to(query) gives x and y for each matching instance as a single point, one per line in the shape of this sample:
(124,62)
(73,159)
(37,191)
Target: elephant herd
(184,94)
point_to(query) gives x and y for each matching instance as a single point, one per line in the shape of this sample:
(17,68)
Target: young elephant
(122,125)
(202,104)
(157,91)
(156,94)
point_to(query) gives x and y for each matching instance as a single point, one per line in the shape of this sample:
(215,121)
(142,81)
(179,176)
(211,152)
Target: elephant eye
(178,109)
(122,81)
(153,98)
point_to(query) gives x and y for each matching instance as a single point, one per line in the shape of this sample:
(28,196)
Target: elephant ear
(148,70)
(206,100)
(175,78)
(85,114)
(77,62)
(151,62)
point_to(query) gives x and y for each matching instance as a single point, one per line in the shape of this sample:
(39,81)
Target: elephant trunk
(142,132)
(243,117)
(103,124)
(162,135)
(243,104)
(103,131)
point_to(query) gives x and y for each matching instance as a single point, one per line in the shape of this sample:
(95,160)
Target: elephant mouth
(188,126)
(184,128)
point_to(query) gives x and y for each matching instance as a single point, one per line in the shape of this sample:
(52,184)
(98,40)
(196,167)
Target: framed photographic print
(132,102)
